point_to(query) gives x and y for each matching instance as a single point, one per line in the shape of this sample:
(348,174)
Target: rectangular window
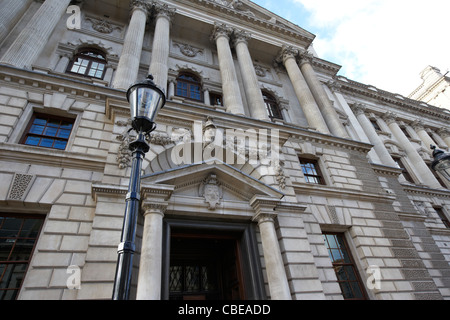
(344,267)
(443,217)
(18,236)
(406,174)
(311,171)
(375,124)
(48,132)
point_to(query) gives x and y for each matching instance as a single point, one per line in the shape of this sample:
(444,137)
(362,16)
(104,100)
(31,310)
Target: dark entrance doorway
(205,267)
(210,260)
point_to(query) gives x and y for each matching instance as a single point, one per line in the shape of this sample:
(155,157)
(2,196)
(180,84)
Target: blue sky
(384,43)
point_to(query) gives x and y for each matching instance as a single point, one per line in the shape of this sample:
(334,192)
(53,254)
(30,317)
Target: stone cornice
(404,104)
(267,26)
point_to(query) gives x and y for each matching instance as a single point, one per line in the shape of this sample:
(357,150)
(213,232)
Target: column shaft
(276,274)
(421,169)
(423,135)
(230,86)
(304,95)
(34,37)
(161,45)
(328,112)
(130,59)
(251,84)
(10,13)
(149,284)
(374,139)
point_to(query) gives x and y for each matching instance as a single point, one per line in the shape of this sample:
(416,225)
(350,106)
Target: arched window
(189,86)
(89,63)
(272,106)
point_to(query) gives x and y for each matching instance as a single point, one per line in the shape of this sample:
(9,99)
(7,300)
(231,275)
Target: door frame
(253,280)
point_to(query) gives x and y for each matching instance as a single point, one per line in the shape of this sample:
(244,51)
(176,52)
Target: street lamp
(145,99)
(441,162)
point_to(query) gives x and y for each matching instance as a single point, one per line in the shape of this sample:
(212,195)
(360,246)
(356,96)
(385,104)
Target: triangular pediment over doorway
(217,188)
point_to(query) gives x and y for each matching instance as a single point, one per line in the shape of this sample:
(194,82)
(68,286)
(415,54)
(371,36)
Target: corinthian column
(251,83)
(328,112)
(154,206)
(10,12)
(421,169)
(34,37)
(288,56)
(160,50)
(423,135)
(130,59)
(276,274)
(378,145)
(230,86)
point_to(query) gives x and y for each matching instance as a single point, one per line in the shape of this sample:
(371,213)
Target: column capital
(241,36)
(164,10)
(444,133)
(418,125)
(140,5)
(221,30)
(390,117)
(358,108)
(155,198)
(264,208)
(285,53)
(305,57)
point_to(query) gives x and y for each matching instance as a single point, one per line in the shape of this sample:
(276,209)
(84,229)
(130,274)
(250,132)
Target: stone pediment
(212,183)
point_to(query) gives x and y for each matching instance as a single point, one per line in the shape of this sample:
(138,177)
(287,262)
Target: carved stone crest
(211,190)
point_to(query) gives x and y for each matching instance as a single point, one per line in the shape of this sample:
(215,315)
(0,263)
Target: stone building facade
(269,176)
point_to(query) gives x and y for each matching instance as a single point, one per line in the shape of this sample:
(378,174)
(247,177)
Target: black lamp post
(441,162)
(145,99)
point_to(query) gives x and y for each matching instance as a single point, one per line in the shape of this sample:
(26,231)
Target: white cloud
(385,43)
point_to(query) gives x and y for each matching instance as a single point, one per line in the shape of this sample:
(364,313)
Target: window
(18,236)
(375,124)
(405,132)
(406,174)
(48,132)
(216,99)
(189,86)
(89,63)
(443,217)
(311,171)
(272,107)
(344,267)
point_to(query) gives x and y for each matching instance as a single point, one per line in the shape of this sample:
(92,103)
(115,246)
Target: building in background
(435,88)
(269,176)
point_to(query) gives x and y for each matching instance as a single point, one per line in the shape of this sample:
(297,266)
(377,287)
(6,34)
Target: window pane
(32,141)
(50,131)
(65,134)
(60,145)
(35,129)
(47,143)
(40,121)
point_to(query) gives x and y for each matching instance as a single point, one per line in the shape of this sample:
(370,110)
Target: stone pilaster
(325,105)
(421,169)
(154,206)
(161,45)
(31,41)
(230,86)
(276,274)
(445,134)
(288,56)
(251,84)
(130,59)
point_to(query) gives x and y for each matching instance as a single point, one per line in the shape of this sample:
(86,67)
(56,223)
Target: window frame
(48,117)
(190,84)
(350,263)
(17,237)
(408,177)
(82,54)
(319,175)
(272,107)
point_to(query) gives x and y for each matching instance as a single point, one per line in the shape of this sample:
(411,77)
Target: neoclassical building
(269,176)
